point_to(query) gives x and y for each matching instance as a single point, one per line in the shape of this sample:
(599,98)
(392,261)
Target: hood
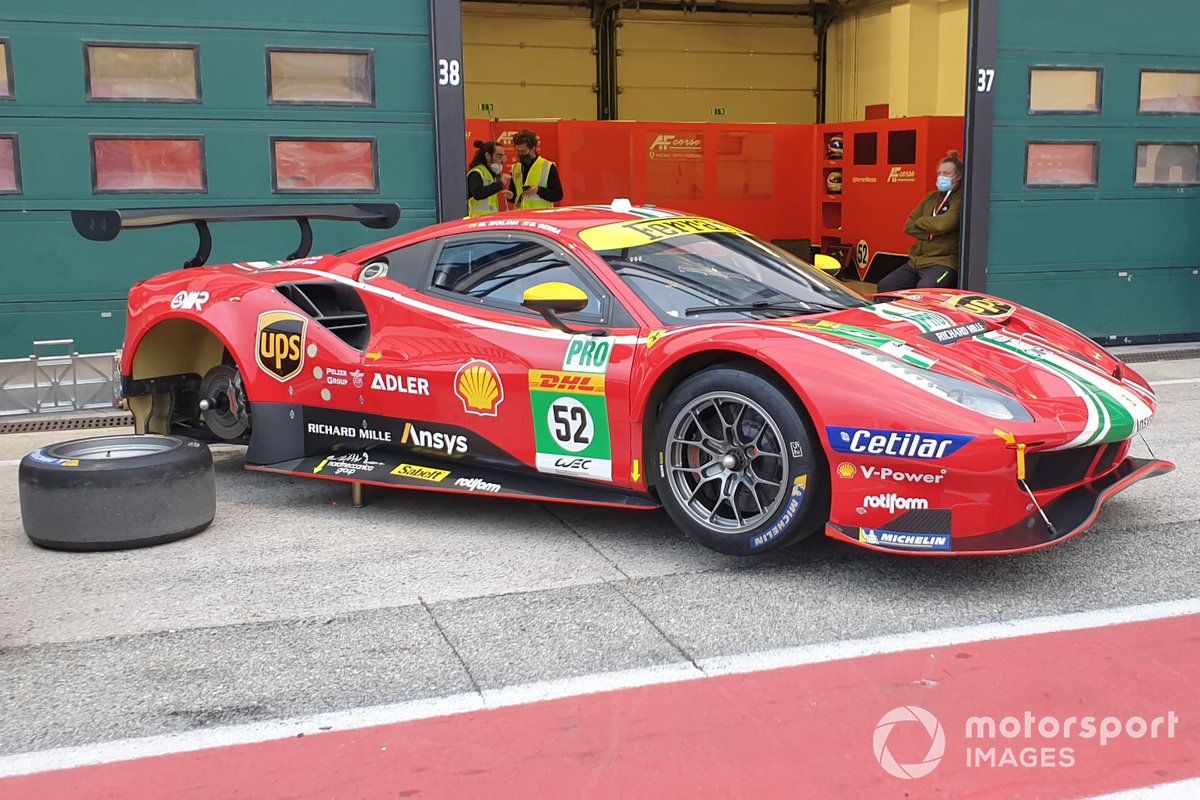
(939,342)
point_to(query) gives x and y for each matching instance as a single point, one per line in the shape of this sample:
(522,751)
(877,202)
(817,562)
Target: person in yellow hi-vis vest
(535,180)
(485,185)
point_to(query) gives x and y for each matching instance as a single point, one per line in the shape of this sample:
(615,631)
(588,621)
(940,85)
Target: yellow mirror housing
(555,296)
(827,264)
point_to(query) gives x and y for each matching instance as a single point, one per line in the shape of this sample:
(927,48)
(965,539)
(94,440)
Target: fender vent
(333,306)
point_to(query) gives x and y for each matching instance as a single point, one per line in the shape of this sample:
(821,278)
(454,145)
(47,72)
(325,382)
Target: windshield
(724,275)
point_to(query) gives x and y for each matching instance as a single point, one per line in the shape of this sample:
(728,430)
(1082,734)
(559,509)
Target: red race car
(637,357)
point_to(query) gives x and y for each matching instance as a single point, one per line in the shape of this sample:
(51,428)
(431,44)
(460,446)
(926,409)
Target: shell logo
(847,470)
(478,385)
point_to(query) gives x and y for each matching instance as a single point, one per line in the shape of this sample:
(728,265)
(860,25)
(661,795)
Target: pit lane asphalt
(293,602)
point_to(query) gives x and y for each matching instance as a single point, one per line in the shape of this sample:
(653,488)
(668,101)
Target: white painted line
(1181,790)
(10,462)
(917,640)
(1175,380)
(371,716)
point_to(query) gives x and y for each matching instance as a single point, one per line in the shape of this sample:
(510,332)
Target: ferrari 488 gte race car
(636,357)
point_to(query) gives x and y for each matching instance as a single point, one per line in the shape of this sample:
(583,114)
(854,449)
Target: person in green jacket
(933,260)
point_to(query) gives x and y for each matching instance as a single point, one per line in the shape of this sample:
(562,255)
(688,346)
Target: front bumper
(1070,513)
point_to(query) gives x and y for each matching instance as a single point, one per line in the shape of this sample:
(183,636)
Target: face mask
(944,184)
(496,168)
(526,160)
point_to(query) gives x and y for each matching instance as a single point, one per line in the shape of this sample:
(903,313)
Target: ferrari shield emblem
(280,350)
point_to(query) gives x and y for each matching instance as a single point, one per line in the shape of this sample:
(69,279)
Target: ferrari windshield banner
(619,235)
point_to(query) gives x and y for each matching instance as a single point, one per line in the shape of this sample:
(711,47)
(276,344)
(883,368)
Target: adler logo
(898,175)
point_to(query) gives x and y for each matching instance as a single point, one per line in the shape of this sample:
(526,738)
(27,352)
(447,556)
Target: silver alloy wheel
(726,462)
(113,447)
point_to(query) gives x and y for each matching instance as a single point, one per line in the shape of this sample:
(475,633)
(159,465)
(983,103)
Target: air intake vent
(333,306)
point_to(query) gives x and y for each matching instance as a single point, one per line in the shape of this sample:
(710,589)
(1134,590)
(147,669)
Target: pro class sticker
(570,423)
(280,350)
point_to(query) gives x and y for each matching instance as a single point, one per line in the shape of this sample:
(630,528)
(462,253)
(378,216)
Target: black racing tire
(117,492)
(740,467)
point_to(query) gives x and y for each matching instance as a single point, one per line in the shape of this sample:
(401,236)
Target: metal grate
(37,425)
(1160,355)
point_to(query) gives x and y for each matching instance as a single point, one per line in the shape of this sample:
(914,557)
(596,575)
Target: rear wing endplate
(104,225)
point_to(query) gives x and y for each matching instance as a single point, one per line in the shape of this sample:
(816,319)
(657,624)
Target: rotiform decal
(280,350)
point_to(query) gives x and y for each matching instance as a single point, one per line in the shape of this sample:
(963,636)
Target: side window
(498,271)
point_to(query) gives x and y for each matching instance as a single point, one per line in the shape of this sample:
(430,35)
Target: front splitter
(1070,514)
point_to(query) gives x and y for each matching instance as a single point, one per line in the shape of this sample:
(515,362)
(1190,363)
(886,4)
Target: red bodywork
(410,372)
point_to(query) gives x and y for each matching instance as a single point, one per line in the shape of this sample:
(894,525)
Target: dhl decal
(565,382)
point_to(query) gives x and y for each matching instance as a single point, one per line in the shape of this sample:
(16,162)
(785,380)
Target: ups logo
(981,306)
(280,348)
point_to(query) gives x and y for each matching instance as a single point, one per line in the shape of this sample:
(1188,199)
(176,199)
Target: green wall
(55,284)
(1115,261)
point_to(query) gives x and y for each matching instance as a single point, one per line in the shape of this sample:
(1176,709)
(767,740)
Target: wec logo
(190,301)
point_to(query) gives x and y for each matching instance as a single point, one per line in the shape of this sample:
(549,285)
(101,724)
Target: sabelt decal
(898,540)
(280,350)
(421,473)
(570,421)
(897,444)
(981,306)
(479,387)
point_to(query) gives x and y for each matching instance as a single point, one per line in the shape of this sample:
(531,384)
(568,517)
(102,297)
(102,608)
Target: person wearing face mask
(933,259)
(485,187)
(535,179)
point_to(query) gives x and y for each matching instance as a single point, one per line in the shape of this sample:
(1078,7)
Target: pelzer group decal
(280,349)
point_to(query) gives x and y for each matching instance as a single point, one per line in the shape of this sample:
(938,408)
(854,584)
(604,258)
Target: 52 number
(567,416)
(449,72)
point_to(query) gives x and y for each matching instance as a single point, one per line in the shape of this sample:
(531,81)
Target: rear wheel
(739,469)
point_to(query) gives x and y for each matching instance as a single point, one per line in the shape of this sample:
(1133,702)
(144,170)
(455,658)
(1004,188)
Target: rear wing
(104,225)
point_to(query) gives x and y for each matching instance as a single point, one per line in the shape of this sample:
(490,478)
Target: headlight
(980,399)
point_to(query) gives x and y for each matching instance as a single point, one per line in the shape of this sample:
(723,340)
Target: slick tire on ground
(740,468)
(117,492)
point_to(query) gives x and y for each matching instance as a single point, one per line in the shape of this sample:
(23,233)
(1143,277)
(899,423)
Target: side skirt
(401,471)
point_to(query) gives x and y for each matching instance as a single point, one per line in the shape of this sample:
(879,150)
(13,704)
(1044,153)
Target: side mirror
(554,298)
(827,264)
